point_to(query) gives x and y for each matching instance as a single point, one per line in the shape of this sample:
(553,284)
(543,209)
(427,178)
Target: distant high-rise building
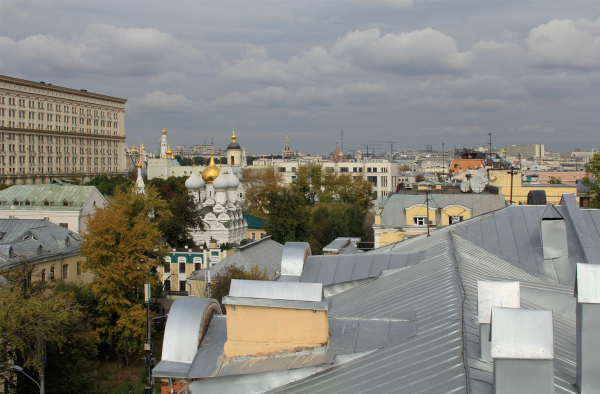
(429,147)
(526,151)
(49,132)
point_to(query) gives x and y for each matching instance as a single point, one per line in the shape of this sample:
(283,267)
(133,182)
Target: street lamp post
(20,369)
(148,346)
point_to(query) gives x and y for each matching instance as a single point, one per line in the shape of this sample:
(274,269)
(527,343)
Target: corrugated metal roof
(265,253)
(54,194)
(26,236)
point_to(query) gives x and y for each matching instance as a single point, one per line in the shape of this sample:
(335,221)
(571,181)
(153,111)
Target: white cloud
(418,52)
(166,78)
(100,49)
(160,101)
(257,66)
(565,43)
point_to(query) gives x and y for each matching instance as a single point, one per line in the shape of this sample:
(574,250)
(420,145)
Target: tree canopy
(221,282)
(593,168)
(122,249)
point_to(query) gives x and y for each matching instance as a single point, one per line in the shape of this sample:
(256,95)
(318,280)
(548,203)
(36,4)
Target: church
(215,192)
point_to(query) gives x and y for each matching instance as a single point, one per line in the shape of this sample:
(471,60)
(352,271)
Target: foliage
(555,181)
(170,187)
(33,310)
(288,218)
(404,168)
(258,184)
(420,178)
(107,186)
(593,168)
(219,287)
(333,220)
(185,215)
(122,249)
(309,181)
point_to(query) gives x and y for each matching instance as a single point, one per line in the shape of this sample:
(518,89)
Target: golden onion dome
(164,131)
(133,148)
(211,172)
(142,147)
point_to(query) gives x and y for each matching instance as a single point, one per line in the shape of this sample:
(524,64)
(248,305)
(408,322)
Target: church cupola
(211,172)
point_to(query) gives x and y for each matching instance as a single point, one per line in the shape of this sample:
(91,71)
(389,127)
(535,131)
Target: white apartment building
(49,132)
(382,174)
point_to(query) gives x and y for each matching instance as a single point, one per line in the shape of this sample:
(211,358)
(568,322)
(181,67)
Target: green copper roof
(254,222)
(48,197)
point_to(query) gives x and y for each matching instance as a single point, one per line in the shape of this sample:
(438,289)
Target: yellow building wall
(419,211)
(84,276)
(501,179)
(259,331)
(258,233)
(454,211)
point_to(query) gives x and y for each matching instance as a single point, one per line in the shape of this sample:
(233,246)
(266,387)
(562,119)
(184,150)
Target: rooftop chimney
(489,294)
(272,318)
(588,327)
(554,233)
(523,351)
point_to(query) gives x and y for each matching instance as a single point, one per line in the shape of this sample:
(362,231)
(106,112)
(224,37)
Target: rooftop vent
(554,233)
(490,294)
(588,327)
(270,318)
(523,351)
(293,259)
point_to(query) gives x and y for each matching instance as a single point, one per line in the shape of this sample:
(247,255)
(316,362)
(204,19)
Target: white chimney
(489,294)
(523,351)
(554,233)
(588,327)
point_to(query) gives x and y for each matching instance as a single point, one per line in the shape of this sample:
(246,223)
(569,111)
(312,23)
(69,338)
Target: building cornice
(53,88)
(64,133)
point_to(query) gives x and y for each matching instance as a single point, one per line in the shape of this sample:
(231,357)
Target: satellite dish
(477,184)
(464,186)
(481,172)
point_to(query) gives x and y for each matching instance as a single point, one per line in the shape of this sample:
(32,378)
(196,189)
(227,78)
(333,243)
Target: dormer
(553,228)
(46,203)
(65,203)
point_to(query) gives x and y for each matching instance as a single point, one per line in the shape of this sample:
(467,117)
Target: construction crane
(351,150)
(373,148)
(391,146)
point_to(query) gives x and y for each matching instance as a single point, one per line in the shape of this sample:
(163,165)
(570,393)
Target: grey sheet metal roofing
(394,212)
(35,240)
(265,253)
(55,194)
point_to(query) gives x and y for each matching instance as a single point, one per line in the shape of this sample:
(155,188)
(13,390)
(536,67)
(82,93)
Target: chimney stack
(588,327)
(523,351)
(272,318)
(489,294)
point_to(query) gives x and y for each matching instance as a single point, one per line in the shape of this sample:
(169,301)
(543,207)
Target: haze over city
(415,72)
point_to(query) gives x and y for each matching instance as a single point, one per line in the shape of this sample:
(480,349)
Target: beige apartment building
(49,132)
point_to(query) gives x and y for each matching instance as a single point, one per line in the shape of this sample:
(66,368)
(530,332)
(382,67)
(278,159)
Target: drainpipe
(523,351)
(588,327)
(490,294)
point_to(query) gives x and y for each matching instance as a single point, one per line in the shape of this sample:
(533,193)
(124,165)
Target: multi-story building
(525,151)
(382,173)
(49,132)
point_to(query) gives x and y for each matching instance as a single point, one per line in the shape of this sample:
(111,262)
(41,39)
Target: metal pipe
(427,196)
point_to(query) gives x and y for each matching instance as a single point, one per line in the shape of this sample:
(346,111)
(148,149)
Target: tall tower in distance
(164,145)
(287,151)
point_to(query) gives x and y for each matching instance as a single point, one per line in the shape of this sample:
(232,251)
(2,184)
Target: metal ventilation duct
(588,327)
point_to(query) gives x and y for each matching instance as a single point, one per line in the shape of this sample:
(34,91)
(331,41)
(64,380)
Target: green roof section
(56,197)
(255,223)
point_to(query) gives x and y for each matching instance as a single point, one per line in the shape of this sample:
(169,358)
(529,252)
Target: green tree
(555,181)
(221,283)
(420,178)
(258,184)
(288,218)
(184,216)
(309,181)
(33,310)
(593,181)
(122,249)
(107,186)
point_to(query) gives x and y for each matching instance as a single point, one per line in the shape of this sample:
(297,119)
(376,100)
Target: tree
(555,181)
(29,312)
(420,178)
(288,217)
(221,283)
(107,186)
(309,181)
(185,216)
(593,168)
(122,249)
(258,184)
(404,168)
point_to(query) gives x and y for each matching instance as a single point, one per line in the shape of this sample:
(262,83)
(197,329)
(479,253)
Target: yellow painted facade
(261,331)
(455,210)
(501,179)
(69,268)
(255,234)
(419,211)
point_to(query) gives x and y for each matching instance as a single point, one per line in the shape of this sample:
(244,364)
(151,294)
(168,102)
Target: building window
(65,203)
(79,270)
(420,220)
(373,180)
(182,285)
(455,219)
(65,271)
(344,169)
(46,203)
(52,272)
(44,275)
(281,169)
(262,235)
(167,285)
(182,268)
(167,267)
(197,266)
(253,236)
(65,225)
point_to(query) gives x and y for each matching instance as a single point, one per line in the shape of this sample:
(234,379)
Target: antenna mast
(342,125)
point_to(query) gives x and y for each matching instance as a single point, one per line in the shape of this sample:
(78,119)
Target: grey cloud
(161,102)
(100,49)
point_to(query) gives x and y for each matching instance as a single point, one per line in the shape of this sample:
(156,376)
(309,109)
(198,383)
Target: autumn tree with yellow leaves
(122,248)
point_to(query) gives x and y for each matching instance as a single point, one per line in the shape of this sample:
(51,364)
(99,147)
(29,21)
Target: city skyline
(413,72)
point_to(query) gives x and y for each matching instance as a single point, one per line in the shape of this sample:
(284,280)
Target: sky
(411,72)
